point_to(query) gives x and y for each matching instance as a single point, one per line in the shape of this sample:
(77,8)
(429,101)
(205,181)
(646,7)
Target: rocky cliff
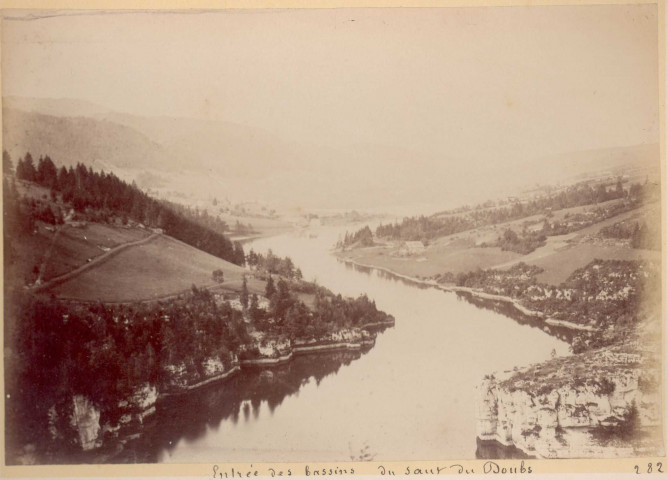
(599,404)
(84,420)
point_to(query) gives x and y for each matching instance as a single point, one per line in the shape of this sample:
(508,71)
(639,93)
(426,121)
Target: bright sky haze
(473,85)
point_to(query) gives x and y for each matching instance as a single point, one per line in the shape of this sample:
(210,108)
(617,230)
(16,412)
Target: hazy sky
(507,83)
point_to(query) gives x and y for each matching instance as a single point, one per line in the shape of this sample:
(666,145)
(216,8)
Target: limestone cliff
(85,420)
(599,404)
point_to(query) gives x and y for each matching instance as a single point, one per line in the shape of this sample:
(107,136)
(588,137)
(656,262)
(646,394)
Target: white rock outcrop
(558,423)
(85,420)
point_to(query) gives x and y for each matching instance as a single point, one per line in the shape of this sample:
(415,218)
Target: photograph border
(539,466)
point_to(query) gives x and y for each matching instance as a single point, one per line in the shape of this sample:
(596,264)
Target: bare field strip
(159,268)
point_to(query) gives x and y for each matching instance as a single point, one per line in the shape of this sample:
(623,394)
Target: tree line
(425,228)
(640,234)
(360,238)
(104,351)
(288,316)
(100,196)
(612,295)
(273,264)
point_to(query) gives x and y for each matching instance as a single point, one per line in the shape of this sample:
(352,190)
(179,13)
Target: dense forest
(105,352)
(273,264)
(288,316)
(103,197)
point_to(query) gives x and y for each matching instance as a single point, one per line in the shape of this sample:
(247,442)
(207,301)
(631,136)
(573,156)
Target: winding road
(95,262)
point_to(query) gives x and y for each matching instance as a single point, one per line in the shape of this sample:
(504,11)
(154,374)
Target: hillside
(158,268)
(71,140)
(108,261)
(202,157)
(148,142)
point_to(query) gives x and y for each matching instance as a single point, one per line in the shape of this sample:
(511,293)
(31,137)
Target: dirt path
(47,257)
(160,298)
(93,263)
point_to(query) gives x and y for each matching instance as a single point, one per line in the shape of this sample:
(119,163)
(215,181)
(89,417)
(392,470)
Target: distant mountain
(225,148)
(222,147)
(57,107)
(205,158)
(611,161)
(69,140)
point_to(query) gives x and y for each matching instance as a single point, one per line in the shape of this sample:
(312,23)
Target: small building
(411,248)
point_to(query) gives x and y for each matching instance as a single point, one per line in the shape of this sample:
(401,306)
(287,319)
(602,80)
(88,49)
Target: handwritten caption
(650,468)
(488,467)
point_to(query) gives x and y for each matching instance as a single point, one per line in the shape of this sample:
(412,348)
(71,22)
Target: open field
(559,265)
(73,247)
(461,252)
(32,190)
(53,251)
(156,269)
(99,262)
(438,260)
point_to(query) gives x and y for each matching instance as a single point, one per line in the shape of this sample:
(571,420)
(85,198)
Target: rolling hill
(157,268)
(72,140)
(88,236)
(206,158)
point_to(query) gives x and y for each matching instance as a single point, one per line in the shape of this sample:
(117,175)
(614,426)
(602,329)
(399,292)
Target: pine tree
(25,169)
(47,174)
(244,293)
(238,254)
(7,166)
(270,289)
(254,307)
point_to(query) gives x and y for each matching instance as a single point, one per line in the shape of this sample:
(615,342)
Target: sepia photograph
(322,241)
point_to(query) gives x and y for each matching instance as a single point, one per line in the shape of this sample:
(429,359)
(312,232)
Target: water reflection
(504,308)
(384,275)
(411,397)
(509,310)
(239,399)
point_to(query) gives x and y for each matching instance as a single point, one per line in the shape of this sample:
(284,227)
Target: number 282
(651,468)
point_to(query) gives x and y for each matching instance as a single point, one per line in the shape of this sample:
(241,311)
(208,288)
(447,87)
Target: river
(411,397)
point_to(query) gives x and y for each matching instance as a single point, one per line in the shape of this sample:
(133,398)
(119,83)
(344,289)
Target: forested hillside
(103,197)
(426,228)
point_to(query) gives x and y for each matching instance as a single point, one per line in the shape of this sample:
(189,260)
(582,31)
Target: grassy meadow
(162,267)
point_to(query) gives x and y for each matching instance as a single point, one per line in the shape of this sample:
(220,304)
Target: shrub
(218,276)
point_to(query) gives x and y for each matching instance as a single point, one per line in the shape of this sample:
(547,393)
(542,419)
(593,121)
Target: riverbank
(477,293)
(603,401)
(96,436)
(239,365)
